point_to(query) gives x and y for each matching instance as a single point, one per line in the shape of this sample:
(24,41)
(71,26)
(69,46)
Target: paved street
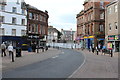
(61,65)
(98,66)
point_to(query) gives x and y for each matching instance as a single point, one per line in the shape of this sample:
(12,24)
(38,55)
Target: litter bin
(18,52)
(29,49)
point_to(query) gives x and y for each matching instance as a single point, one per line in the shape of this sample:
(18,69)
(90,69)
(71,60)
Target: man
(10,49)
(3,48)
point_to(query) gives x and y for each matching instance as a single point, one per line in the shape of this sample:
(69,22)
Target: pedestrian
(3,49)
(97,50)
(104,49)
(99,47)
(10,49)
(34,47)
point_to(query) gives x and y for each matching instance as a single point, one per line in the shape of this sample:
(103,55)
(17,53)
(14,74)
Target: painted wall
(7,25)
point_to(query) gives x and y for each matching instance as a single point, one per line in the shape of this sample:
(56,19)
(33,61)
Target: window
(102,15)
(110,26)
(36,28)
(30,15)
(109,10)
(102,4)
(23,12)
(2,19)
(115,8)
(23,22)
(14,10)
(101,28)
(13,32)
(116,25)
(2,31)
(13,20)
(23,32)
(3,7)
(36,16)
(18,2)
(40,18)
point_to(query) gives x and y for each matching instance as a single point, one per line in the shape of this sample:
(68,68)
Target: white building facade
(52,35)
(13,20)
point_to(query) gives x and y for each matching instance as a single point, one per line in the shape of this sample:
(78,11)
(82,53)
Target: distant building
(52,34)
(37,25)
(113,26)
(67,35)
(12,21)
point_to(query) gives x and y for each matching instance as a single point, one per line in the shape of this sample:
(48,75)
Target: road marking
(79,67)
(55,57)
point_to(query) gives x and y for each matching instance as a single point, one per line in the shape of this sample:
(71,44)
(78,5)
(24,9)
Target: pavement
(27,58)
(97,66)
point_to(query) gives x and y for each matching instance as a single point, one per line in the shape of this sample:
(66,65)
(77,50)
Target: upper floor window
(41,18)
(101,28)
(110,26)
(23,32)
(17,2)
(116,25)
(14,10)
(109,10)
(102,15)
(2,19)
(23,22)
(102,4)
(30,15)
(23,12)
(116,8)
(13,20)
(2,7)
(2,31)
(13,32)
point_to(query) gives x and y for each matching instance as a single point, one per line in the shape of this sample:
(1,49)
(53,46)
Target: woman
(10,49)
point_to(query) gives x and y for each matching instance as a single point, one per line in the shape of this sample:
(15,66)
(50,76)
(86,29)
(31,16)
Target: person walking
(10,49)
(3,48)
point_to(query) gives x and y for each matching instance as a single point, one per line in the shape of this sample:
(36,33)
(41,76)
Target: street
(62,65)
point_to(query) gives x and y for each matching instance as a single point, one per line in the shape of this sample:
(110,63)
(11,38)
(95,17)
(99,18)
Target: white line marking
(79,67)
(55,57)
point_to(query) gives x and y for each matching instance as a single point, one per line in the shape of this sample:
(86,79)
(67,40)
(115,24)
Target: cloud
(62,13)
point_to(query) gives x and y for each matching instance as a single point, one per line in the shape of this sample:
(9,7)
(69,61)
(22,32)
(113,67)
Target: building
(67,35)
(80,28)
(52,34)
(113,26)
(12,21)
(37,25)
(92,23)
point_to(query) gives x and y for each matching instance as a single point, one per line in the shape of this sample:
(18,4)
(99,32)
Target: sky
(62,13)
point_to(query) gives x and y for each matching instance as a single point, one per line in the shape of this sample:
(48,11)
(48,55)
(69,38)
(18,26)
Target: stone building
(94,22)
(113,26)
(37,25)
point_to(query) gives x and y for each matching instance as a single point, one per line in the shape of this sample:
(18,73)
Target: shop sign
(111,37)
(91,37)
(114,37)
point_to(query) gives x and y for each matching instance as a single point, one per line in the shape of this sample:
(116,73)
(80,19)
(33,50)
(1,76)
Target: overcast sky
(62,13)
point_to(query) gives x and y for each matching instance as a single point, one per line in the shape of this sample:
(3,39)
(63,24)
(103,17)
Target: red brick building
(94,23)
(37,24)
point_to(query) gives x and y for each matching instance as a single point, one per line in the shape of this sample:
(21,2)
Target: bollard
(97,52)
(12,56)
(111,53)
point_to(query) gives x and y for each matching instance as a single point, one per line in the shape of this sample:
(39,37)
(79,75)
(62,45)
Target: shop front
(89,41)
(114,42)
